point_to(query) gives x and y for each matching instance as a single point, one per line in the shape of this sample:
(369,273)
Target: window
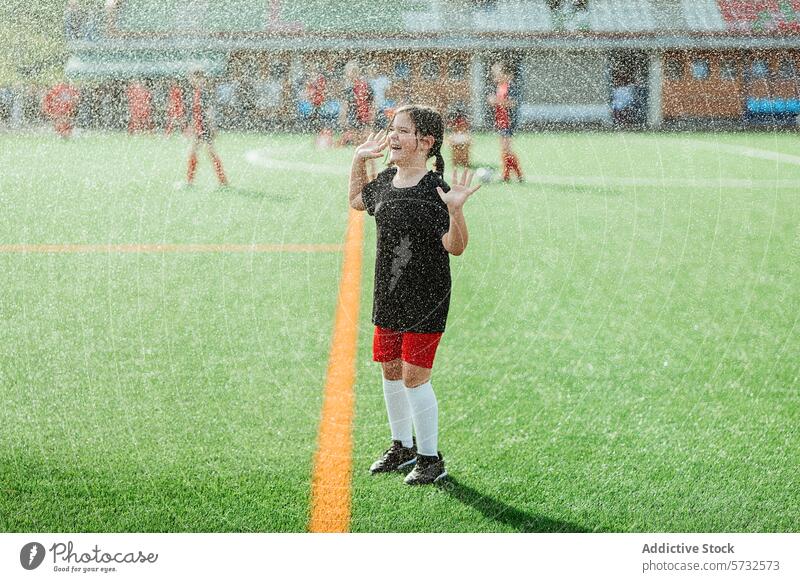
(457,69)
(572,5)
(430,70)
(700,69)
(674,68)
(728,70)
(338,69)
(759,69)
(786,69)
(278,70)
(485,4)
(402,70)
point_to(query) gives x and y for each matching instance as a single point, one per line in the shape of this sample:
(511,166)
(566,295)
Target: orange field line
(330,485)
(170,248)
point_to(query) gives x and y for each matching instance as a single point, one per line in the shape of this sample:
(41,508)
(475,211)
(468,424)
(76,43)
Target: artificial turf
(621,354)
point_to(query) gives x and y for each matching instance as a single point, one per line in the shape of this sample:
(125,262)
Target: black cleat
(428,470)
(396,457)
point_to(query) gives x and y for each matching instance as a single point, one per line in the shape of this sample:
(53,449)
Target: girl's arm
(368,150)
(456,238)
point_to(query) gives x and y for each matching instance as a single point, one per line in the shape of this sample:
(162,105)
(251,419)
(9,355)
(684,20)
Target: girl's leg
(414,376)
(424,408)
(217,164)
(505,152)
(192,168)
(514,161)
(393,370)
(397,408)
(510,160)
(386,346)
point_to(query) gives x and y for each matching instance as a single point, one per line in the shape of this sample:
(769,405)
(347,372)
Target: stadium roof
(314,17)
(186,31)
(139,64)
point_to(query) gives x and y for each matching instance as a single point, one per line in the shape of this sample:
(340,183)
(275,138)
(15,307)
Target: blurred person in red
(140,108)
(176,113)
(60,104)
(202,128)
(505,100)
(315,93)
(460,139)
(316,90)
(358,111)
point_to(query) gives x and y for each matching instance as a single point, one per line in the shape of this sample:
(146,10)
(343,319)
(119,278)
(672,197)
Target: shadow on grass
(500,512)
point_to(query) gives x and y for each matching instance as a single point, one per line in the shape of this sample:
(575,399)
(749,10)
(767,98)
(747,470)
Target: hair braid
(439,166)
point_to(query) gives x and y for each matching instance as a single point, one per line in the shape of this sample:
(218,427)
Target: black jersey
(412,267)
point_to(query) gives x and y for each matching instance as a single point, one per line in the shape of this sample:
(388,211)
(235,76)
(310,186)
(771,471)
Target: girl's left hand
(459,190)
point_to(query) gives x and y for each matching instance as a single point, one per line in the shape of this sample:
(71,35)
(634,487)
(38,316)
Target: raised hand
(372,148)
(459,190)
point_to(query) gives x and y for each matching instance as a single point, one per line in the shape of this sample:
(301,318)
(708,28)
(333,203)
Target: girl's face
(406,147)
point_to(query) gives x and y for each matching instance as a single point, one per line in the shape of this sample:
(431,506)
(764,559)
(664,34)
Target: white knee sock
(425,412)
(398,410)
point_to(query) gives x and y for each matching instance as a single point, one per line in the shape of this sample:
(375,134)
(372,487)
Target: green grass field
(621,354)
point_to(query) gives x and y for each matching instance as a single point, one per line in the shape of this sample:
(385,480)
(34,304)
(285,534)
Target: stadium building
(646,63)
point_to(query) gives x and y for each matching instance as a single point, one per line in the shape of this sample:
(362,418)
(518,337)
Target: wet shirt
(505,116)
(202,114)
(61,100)
(412,267)
(316,90)
(140,101)
(359,98)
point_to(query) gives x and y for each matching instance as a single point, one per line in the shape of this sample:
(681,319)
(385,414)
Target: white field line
(661,182)
(262,158)
(746,151)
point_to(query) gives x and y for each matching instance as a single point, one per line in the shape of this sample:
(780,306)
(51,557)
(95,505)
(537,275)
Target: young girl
(504,100)
(202,128)
(460,140)
(419,222)
(358,105)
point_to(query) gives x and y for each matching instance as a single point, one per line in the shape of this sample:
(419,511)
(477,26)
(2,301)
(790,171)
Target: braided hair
(428,121)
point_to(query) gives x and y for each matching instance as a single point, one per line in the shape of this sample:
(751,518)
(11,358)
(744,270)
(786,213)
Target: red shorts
(417,349)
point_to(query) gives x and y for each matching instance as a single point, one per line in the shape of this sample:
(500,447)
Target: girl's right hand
(373,147)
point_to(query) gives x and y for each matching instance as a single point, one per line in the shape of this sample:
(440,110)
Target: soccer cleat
(429,469)
(396,457)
